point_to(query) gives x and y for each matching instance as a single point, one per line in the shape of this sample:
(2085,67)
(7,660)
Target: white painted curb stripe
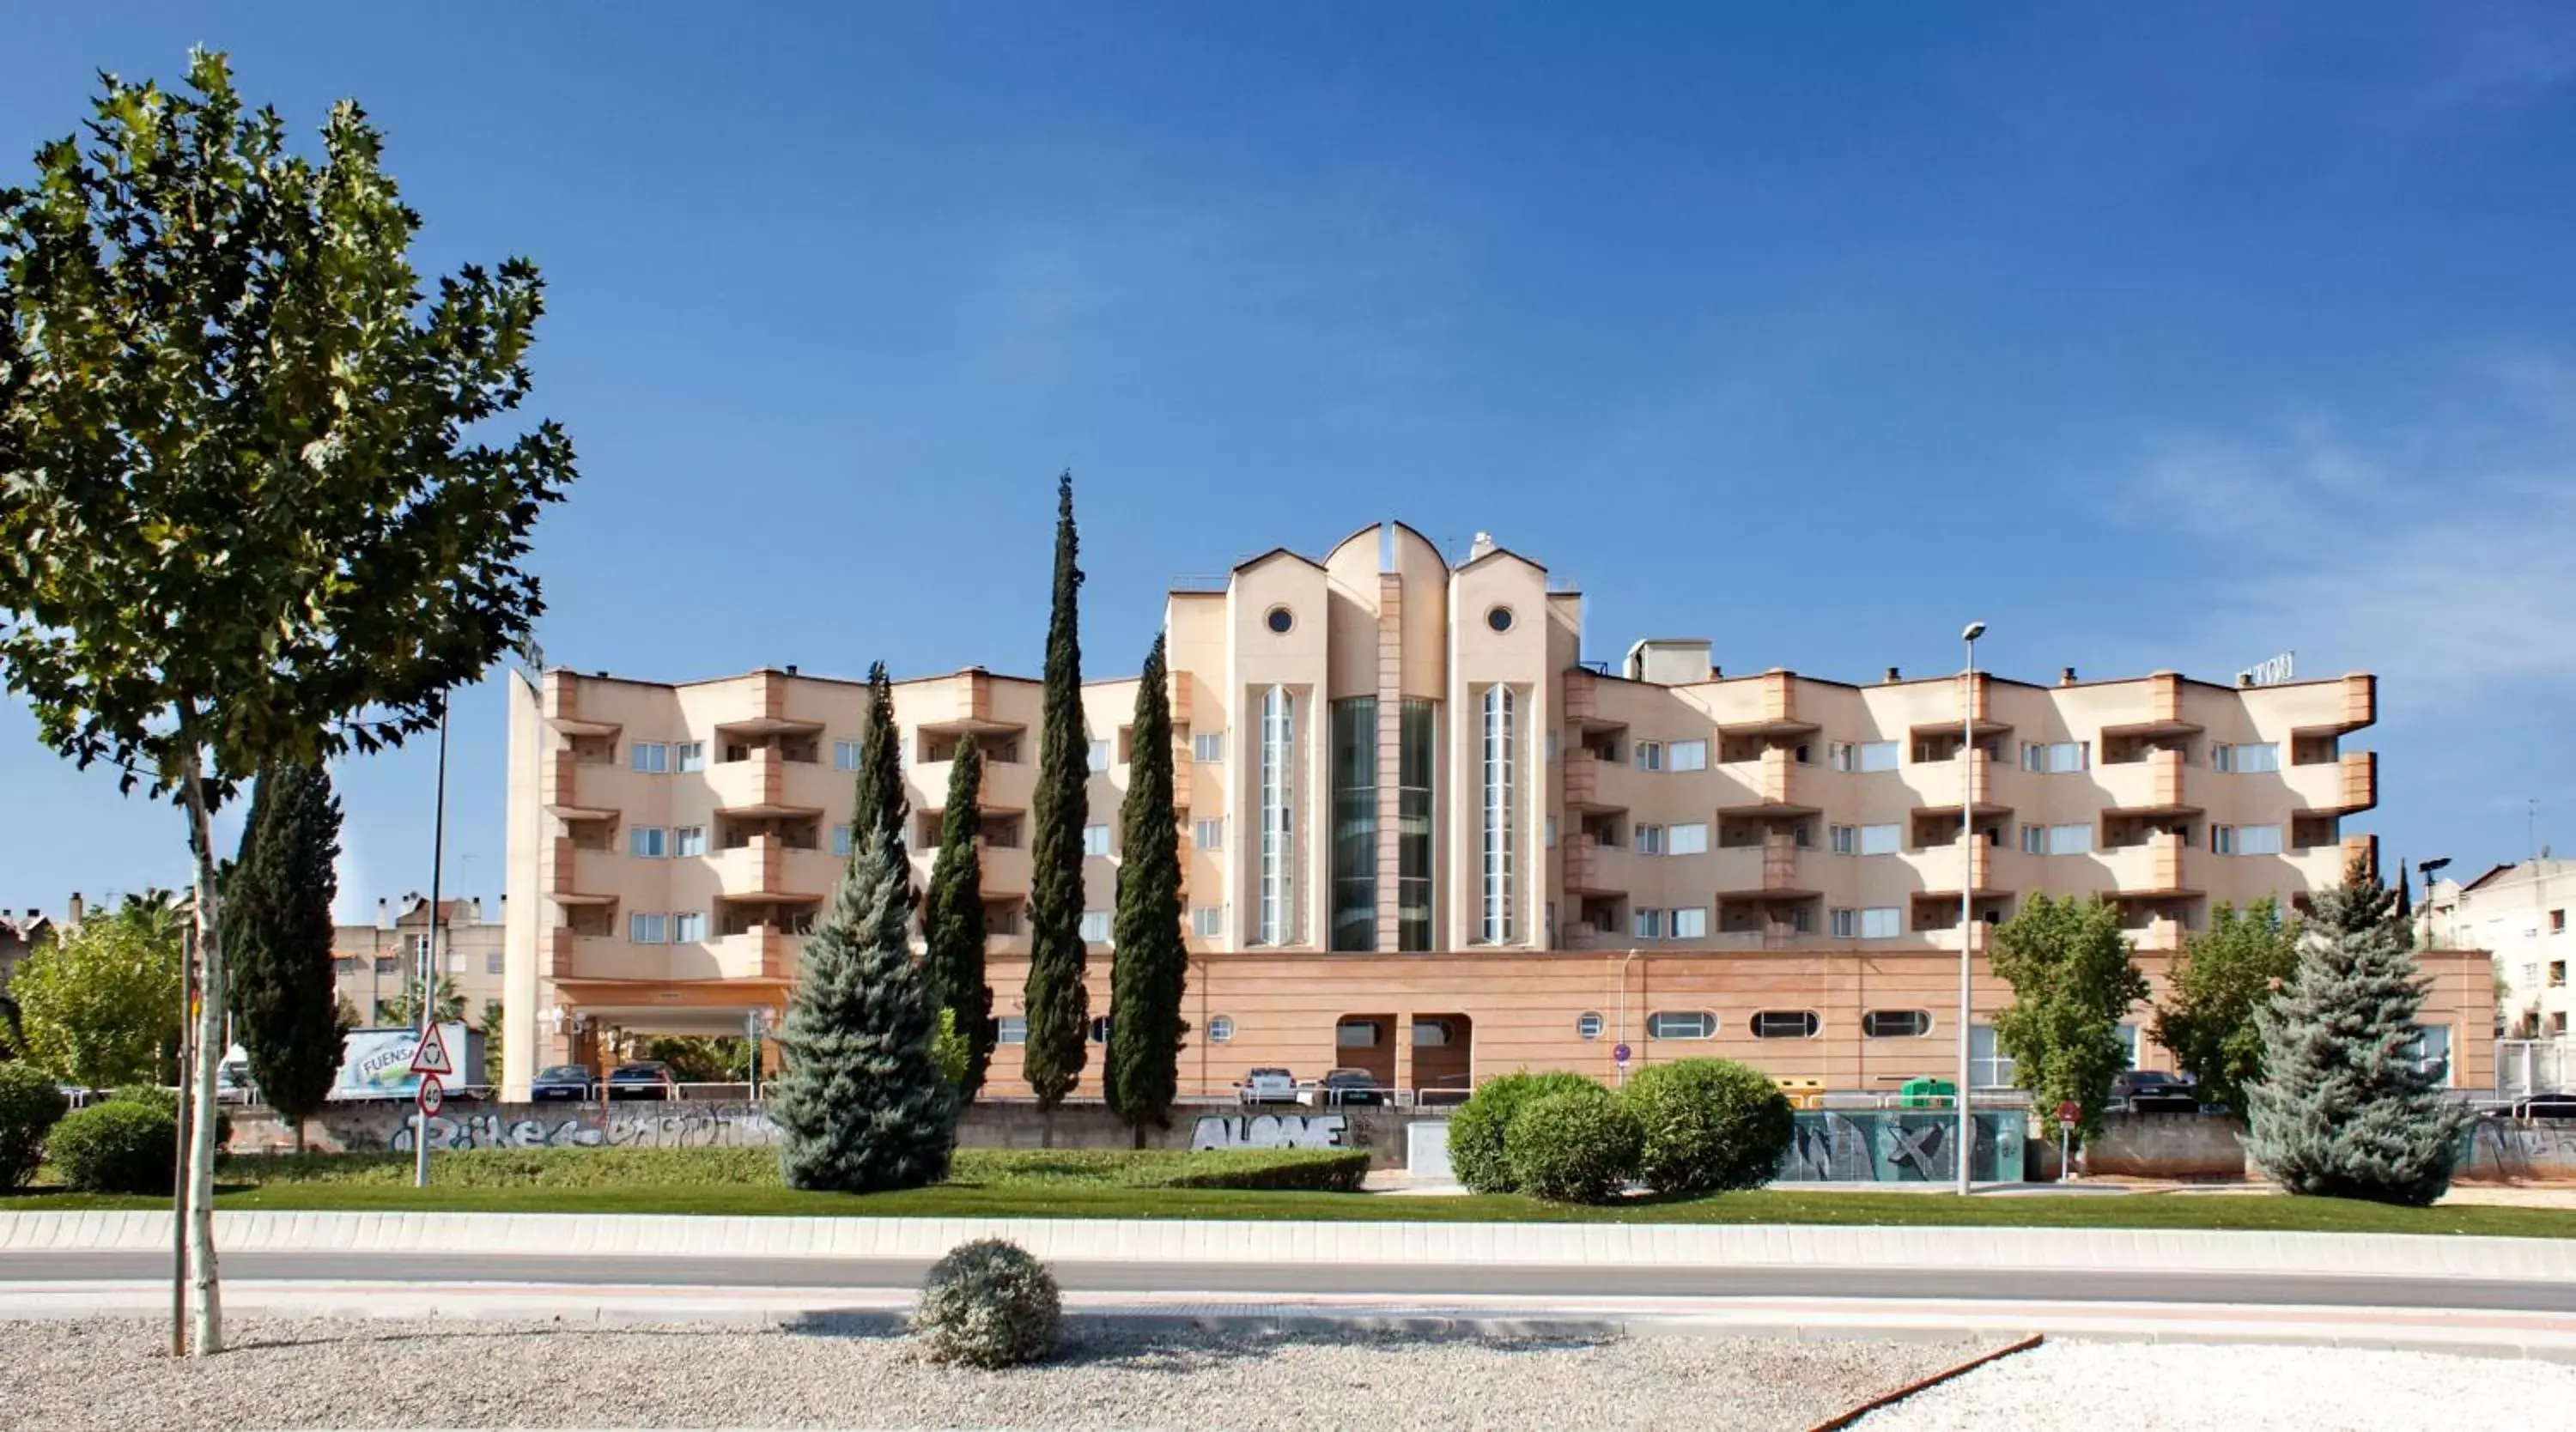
(1425,1244)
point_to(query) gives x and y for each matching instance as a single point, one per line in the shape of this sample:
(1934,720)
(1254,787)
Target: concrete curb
(1303,1243)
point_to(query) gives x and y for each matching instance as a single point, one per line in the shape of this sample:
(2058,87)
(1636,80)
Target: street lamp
(1967,882)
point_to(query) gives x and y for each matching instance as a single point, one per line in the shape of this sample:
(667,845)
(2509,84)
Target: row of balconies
(2159,865)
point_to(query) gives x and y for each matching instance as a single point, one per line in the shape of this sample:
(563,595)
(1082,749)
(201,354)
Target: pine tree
(1058,1006)
(952,920)
(277,924)
(2074,979)
(1141,1075)
(861,1106)
(881,801)
(2345,1108)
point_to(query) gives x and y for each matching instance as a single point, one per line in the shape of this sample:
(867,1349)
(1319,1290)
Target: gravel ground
(352,1374)
(2169,1387)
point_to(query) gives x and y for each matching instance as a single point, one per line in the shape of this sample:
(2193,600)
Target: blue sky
(2152,335)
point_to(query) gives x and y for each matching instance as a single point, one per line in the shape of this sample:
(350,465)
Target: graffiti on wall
(2515,1149)
(1268,1131)
(1884,1146)
(692,1126)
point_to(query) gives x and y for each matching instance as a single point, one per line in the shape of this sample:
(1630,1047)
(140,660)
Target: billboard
(376,1063)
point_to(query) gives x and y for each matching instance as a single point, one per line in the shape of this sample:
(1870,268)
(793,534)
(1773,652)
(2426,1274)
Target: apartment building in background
(2519,914)
(1423,836)
(375,964)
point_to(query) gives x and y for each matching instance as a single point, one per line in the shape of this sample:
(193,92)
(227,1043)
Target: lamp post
(1967,882)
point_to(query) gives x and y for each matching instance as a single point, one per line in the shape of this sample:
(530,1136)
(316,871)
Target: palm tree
(444,1003)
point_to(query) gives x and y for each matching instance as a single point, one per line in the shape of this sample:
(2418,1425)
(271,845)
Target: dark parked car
(644,1079)
(562,1084)
(2545,1106)
(2151,1091)
(1350,1086)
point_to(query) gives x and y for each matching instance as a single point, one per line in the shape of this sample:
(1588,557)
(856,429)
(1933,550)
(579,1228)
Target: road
(1238,1279)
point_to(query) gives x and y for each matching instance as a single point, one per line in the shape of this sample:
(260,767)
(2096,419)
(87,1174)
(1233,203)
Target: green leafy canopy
(2074,979)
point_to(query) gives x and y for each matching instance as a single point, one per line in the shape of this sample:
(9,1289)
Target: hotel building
(1424,837)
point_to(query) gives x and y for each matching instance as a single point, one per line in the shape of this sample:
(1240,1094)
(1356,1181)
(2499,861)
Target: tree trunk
(1046,1128)
(206,1306)
(299,1136)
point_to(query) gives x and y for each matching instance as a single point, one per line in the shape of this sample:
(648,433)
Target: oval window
(1588,1025)
(1280,619)
(1681,1024)
(1220,1029)
(1786,1024)
(1895,1024)
(1500,619)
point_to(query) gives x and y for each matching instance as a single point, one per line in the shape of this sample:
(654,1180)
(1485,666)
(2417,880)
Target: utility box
(1426,1151)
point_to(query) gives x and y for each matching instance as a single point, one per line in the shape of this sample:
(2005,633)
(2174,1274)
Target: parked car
(1267,1086)
(1350,1086)
(2152,1091)
(560,1084)
(643,1079)
(2545,1106)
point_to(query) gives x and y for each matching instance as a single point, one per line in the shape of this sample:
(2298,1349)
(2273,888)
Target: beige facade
(1381,754)
(2521,914)
(373,965)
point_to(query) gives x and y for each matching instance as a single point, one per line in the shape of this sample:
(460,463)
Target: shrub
(987,1304)
(118,1146)
(167,1101)
(1574,1146)
(1476,1130)
(30,1104)
(1308,1170)
(1708,1125)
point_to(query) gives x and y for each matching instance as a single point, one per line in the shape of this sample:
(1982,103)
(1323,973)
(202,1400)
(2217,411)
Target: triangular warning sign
(432,1058)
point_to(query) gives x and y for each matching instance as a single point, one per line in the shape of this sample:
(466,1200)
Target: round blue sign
(1620,1054)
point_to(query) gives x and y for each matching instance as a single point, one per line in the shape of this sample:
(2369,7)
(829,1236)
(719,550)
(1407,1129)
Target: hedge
(1572,1146)
(1708,1125)
(1326,1170)
(118,1146)
(1477,1130)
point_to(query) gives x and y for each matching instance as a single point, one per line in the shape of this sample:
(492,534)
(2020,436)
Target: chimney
(478,910)
(1891,675)
(1483,544)
(384,914)
(791,668)
(72,912)
(2066,676)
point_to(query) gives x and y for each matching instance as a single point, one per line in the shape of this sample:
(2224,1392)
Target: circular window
(1280,619)
(1500,619)
(1588,1025)
(1220,1029)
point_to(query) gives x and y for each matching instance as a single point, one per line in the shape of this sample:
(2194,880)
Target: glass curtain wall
(1417,758)
(1355,823)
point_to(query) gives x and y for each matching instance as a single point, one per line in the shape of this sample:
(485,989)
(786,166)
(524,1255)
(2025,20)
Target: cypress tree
(881,802)
(2406,908)
(1141,1075)
(1058,1007)
(861,1105)
(952,920)
(277,930)
(2344,1109)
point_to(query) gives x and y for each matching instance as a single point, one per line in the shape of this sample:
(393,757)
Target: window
(1095,927)
(1803,919)
(496,963)
(692,754)
(1677,1024)
(1499,805)
(1649,755)
(2246,760)
(2430,1051)
(385,964)
(1650,840)
(1646,924)
(2034,840)
(1279,620)
(1786,1024)
(2056,758)
(1352,771)
(455,963)
(1895,1024)
(688,927)
(1431,1033)
(1355,1034)
(1878,840)
(1500,619)
(2557,974)
(1208,834)
(1100,1030)
(344,964)
(1988,1066)
(2245,839)
(1690,923)
(1220,1029)
(646,929)
(841,841)
(647,841)
(1207,921)
(1278,850)
(2558,922)
(1095,840)
(1207,747)
(689,840)
(2128,1046)
(1686,756)
(1691,839)
(2070,839)
(1547,832)
(1877,922)
(651,757)
(1587,1025)
(1012,1029)
(1099,757)
(1861,755)
(845,755)
(1845,839)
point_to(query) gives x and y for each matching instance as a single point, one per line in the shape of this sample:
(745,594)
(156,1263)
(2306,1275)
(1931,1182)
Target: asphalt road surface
(2258,1290)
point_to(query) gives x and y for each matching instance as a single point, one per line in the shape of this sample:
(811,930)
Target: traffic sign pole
(2067,1113)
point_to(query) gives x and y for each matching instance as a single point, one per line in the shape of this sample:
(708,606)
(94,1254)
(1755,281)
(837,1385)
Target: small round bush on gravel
(1476,1130)
(30,1104)
(120,1146)
(1709,1125)
(1577,1146)
(988,1304)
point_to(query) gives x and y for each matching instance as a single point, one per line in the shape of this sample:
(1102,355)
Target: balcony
(1777,866)
(768,868)
(2153,786)
(1936,785)
(2357,706)
(2164,713)
(765,783)
(1776,783)
(1936,868)
(2344,786)
(576,876)
(1582,697)
(2153,868)
(1583,780)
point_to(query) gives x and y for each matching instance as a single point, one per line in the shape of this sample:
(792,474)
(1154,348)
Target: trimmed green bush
(116,1146)
(1708,1125)
(1476,1131)
(30,1104)
(1573,1146)
(167,1101)
(988,1304)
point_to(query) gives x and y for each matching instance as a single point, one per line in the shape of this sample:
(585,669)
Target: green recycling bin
(1928,1093)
